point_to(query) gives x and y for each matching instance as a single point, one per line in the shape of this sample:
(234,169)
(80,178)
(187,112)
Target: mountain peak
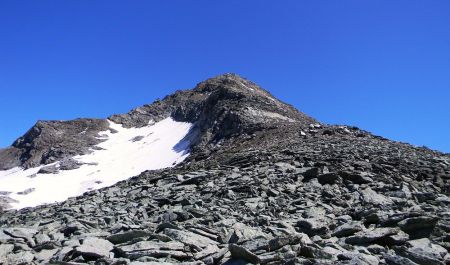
(257,178)
(235,83)
(222,109)
(227,80)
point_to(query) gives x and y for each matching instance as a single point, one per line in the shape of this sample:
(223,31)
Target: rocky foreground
(331,198)
(294,193)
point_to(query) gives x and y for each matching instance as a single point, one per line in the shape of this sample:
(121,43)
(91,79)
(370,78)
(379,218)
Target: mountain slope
(263,183)
(123,153)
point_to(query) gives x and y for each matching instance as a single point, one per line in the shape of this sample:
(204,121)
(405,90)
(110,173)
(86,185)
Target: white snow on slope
(162,145)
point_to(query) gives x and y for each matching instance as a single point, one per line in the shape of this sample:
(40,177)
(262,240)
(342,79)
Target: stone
(92,247)
(398,239)
(329,178)
(370,236)
(189,238)
(371,197)
(356,177)
(127,236)
(241,232)
(397,260)
(347,229)
(313,226)
(422,251)
(69,164)
(315,253)
(53,169)
(21,258)
(359,258)
(62,253)
(281,241)
(239,252)
(45,255)
(154,249)
(137,138)
(24,233)
(27,191)
(411,225)
(207,251)
(41,238)
(310,173)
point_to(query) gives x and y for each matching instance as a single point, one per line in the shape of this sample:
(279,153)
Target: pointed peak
(227,77)
(227,81)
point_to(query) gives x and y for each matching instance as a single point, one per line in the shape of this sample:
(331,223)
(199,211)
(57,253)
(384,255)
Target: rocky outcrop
(50,141)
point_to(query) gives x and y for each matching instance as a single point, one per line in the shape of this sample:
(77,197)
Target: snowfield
(126,152)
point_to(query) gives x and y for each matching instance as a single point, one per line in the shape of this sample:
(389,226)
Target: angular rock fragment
(420,226)
(189,238)
(95,248)
(313,226)
(348,229)
(422,251)
(371,236)
(329,178)
(369,196)
(153,249)
(356,177)
(239,252)
(120,238)
(53,169)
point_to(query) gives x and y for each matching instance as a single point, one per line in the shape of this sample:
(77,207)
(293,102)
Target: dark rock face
(264,184)
(50,141)
(9,158)
(223,109)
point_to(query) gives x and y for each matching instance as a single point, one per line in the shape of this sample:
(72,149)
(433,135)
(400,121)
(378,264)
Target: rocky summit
(263,184)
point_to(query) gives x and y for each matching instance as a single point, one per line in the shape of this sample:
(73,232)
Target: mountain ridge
(33,148)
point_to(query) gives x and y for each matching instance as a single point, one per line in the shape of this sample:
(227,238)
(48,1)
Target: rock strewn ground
(325,195)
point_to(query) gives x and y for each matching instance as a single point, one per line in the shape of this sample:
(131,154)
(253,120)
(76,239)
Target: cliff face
(264,184)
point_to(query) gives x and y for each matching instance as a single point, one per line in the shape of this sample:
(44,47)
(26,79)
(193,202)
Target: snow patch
(160,145)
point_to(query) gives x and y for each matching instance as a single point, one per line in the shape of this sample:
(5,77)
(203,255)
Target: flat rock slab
(239,252)
(369,236)
(347,229)
(127,236)
(154,249)
(189,238)
(145,245)
(423,252)
(420,222)
(370,196)
(93,247)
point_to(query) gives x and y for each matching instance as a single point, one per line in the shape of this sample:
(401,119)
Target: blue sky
(381,65)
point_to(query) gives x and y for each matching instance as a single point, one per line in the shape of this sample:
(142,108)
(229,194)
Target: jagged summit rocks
(264,184)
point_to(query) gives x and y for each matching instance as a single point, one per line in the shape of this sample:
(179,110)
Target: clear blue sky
(381,65)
